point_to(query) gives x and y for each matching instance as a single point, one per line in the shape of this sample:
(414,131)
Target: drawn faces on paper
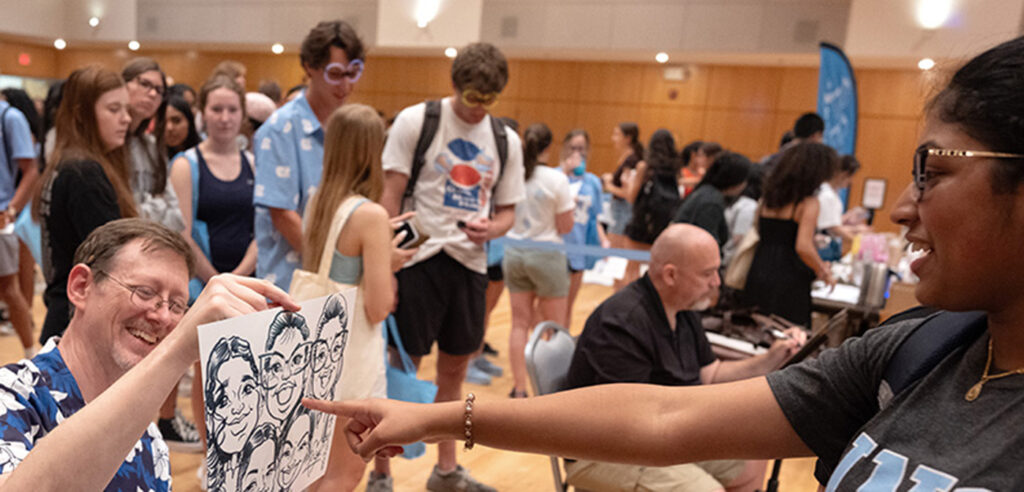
(329,347)
(232,394)
(295,449)
(284,367)
(259,461)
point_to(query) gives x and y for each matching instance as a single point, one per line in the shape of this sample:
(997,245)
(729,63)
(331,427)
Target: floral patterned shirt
(37,394)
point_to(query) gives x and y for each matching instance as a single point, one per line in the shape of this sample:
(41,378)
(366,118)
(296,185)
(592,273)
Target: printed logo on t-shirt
(889,470)
(470,174)
(583,202)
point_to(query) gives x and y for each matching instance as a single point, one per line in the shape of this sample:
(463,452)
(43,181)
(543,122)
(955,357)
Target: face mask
(580,169)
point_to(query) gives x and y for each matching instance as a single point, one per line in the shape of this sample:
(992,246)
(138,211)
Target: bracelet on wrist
(468,419)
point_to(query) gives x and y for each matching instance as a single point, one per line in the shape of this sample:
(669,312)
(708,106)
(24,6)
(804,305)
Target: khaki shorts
(703,476)
(8,254)
(542,272)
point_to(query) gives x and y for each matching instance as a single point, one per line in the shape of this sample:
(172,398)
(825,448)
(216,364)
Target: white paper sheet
(256,369)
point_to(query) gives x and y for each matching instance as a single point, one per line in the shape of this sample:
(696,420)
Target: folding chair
(547,363)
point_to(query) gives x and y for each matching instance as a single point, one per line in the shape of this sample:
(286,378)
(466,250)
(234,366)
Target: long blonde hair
(353,142)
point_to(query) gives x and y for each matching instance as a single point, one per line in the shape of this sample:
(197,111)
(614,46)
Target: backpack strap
(501,142)
(934,339)
(431,121)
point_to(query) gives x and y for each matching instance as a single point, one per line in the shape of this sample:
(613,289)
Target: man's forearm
(86,450)
(289,224)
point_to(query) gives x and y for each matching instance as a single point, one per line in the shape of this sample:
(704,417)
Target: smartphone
(413,236)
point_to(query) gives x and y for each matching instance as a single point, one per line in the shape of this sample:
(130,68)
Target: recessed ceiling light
(133,45)
(60,44)
(94,21)
(932,14)
(926,64)
(451,52)
(277,48)
(661,57)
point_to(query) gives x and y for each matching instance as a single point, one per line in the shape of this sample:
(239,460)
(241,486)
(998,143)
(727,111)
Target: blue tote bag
(405,386)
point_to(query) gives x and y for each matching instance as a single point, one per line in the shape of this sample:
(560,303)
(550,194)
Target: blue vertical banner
(837,99)
(837,103)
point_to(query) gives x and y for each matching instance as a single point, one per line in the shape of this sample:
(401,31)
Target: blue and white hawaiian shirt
(289,151)
(38,394)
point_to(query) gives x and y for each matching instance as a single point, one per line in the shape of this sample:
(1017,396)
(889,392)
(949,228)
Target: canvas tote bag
(739,267)
(362,373)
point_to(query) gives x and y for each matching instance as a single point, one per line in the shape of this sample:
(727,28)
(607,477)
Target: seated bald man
(78,416)
(650,332)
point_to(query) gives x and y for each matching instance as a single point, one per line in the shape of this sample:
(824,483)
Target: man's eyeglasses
(145,297)
(336,73)
(922,153)
(473,98)
(149,86)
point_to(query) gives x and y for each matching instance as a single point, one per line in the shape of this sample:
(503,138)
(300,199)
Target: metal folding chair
(548,355)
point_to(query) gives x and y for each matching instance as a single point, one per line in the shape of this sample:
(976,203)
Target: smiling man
(289,147)
(93,392)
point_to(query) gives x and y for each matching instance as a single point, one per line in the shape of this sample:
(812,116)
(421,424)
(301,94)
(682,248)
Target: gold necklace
(972,394)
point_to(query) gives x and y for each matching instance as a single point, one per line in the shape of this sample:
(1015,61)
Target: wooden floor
(501,469)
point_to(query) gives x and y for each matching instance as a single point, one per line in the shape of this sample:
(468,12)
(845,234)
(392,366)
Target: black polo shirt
(627,339)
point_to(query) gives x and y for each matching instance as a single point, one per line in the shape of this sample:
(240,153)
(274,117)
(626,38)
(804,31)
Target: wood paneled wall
(745,108)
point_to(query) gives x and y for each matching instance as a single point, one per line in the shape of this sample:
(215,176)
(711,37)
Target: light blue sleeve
(277,166)
(19,135)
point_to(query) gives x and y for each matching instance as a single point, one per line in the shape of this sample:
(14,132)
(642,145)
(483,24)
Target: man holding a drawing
(93,392)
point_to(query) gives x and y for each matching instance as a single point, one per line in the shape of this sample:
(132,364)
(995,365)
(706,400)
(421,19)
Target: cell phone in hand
(413,236)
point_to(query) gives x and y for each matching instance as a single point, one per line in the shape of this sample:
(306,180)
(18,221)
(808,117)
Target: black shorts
(495,273)
(441,300)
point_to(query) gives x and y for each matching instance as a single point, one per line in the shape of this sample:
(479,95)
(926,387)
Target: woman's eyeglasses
(922,153)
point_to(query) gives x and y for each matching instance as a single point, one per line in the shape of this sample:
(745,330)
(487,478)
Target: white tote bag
(362,373)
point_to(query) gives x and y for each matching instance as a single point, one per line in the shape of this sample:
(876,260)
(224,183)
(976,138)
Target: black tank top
(226,207)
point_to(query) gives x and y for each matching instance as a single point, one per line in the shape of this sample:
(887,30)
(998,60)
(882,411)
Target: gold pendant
(972,394)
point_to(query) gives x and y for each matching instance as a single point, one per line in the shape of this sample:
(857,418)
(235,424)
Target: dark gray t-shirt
(928,438)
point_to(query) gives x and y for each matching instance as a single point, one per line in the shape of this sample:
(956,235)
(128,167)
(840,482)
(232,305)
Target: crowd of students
(254,187)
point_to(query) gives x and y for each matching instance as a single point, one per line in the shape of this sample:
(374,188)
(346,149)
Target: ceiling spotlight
(932,14)
(426,11)
(661,57)
(60,44)
(926,64)
(94,21)
(277,48)
(133,45)
(450,52)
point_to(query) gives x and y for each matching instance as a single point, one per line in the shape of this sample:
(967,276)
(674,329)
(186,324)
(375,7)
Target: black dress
(779,282)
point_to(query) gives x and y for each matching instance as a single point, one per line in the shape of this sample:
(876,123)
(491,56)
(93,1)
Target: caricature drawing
(284,365)
(294,449)
(232,400)
(329,348)
(258,468)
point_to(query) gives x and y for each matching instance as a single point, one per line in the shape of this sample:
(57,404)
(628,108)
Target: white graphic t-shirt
(547,196)
(460,177)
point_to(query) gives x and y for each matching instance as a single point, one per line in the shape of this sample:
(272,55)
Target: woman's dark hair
(849,164)
(728,169)
(53,96)
(192,139)
(536,138)
(687,152)
(661,153)
(800,171)
(711,149)
(985,100)
(179,90)
(157,163)
(754,182)
(18,99)
(632,132)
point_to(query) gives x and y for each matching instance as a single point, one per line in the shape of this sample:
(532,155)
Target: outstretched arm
(644,424)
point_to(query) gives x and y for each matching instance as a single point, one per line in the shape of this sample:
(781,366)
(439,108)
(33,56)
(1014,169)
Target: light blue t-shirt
(586,191)
(289,151)
(16,136)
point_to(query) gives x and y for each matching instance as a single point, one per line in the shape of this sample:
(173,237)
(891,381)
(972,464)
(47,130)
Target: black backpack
(431,122)
(654,207)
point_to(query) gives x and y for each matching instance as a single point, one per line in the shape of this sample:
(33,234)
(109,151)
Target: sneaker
(379,483)
(185,422)
(179,436)
(487,366)
(489,350)
(458,480)
(475,376)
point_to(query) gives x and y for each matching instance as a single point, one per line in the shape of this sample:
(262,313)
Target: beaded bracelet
(470,398)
